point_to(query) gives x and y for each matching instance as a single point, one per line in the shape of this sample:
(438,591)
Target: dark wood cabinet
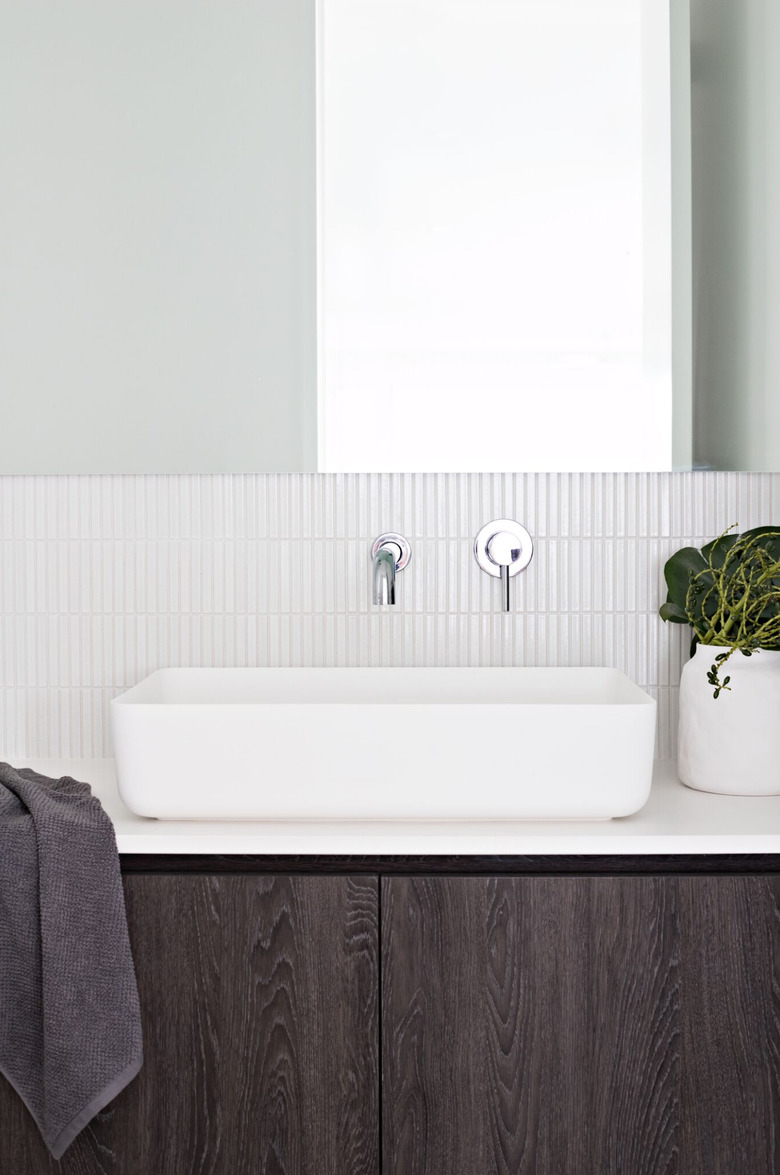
(581,1025)
(259,999)
(408,1023)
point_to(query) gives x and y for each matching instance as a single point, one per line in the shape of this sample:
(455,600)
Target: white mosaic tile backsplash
(104,579)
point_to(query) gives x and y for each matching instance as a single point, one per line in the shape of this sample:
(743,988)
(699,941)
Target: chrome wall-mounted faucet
(390,553)
(503,548)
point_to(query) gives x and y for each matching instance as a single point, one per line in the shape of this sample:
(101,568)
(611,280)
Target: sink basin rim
(522,685)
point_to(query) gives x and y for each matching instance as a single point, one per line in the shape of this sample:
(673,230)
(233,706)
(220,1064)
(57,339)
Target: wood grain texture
(548,1025)
(731,1037)
(259,999)
(581,1026)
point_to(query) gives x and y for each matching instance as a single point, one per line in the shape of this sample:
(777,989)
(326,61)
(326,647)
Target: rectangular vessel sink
(368,744)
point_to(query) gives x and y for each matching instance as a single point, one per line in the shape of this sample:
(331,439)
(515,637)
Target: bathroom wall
(735,116)
(158,236)
(104,579)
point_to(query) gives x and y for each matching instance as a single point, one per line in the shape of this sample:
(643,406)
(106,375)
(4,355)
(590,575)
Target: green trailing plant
(729,592)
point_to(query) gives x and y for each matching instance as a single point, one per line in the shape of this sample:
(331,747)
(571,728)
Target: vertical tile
(102,579)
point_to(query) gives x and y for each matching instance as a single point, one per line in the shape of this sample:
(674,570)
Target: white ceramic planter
(731,744)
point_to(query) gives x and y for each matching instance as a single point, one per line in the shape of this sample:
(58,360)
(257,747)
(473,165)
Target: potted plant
(729,593)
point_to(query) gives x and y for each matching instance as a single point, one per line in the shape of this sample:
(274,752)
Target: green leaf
(678,572)
(719,548)
(756,532)
(770,537)
(671,611)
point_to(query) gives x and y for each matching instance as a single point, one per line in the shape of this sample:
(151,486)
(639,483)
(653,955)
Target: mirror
(292,235)
(495,234)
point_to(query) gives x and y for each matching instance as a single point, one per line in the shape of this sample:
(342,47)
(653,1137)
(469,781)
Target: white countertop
(675,820)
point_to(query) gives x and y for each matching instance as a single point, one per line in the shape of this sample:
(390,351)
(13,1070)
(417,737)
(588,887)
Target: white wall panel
(104,579)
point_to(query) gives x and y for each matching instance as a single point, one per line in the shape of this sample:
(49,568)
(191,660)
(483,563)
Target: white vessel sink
(368,744)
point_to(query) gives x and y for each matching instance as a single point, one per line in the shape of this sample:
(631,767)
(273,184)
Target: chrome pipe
(384,575)
(390,553)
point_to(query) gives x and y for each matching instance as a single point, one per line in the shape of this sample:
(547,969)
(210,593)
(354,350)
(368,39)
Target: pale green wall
(682,298)
(157,236)
(735,67)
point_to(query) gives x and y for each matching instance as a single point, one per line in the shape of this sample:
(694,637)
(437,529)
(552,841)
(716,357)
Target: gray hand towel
(70,1027)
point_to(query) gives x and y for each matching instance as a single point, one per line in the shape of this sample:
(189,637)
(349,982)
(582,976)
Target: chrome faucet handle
(503,548)
(390,553)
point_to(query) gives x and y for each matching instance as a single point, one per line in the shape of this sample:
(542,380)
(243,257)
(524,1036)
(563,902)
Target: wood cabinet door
(259,1000)
(581,1026)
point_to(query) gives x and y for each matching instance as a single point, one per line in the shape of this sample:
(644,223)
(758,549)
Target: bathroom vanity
(262,266)
(603,998)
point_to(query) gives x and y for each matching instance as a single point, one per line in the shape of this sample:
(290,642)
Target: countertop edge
(450,845)
(676,822)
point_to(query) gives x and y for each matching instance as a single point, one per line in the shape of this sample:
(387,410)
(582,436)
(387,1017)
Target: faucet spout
(389,554)
(384,573)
